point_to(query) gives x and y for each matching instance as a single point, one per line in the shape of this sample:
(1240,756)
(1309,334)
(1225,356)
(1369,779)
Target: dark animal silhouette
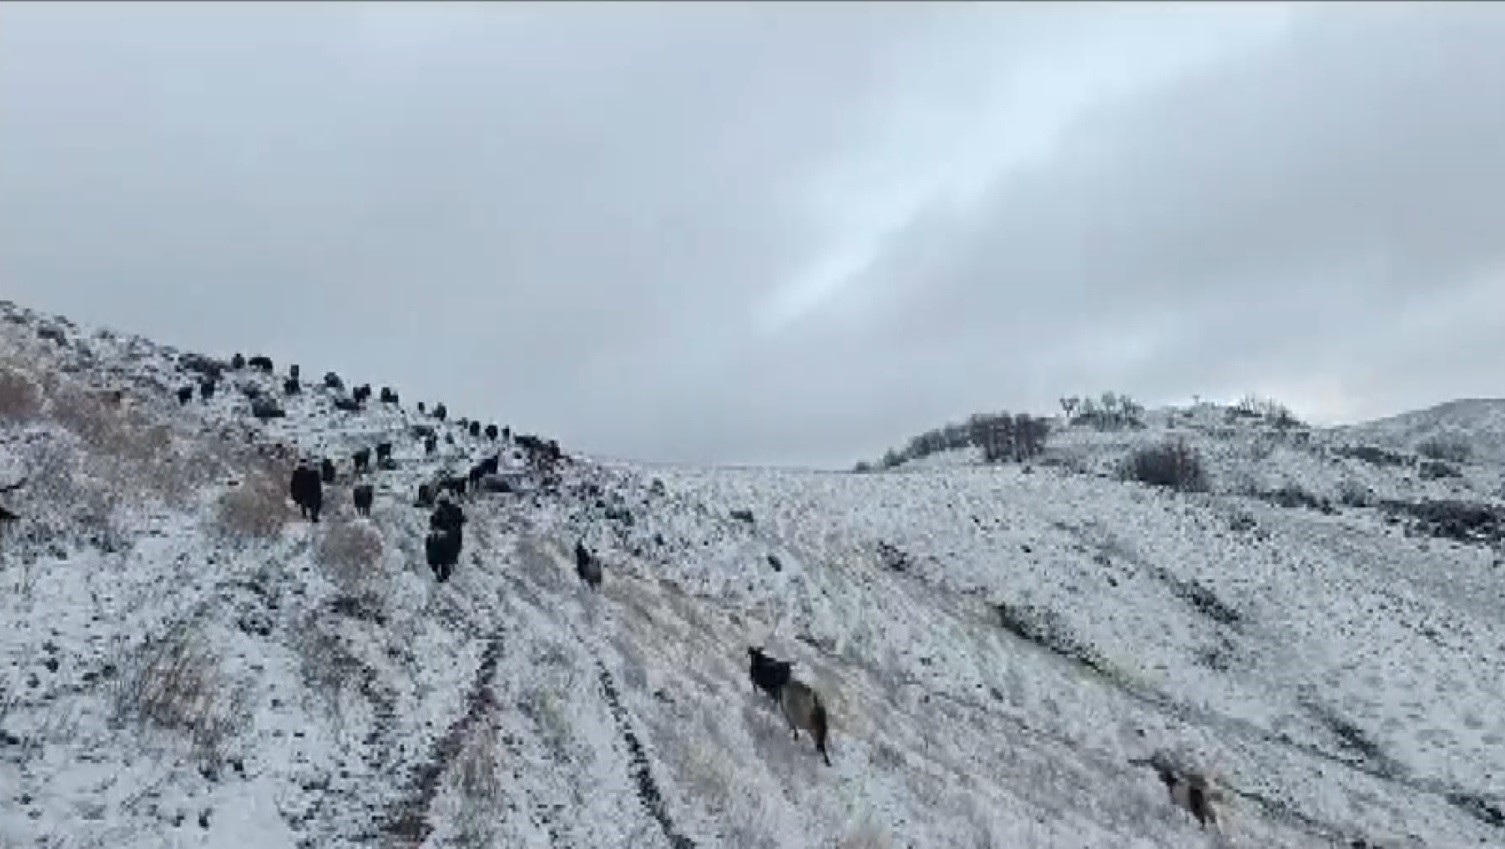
(264,408)
(388,396)
(507,434)
(447,517)
(425,495)
(442,549)
(1191,792)
(768,673)
(263,363)
(803,709)
(587,566)
(332,381)
(206,389)
(383,451)
(292,371)
(430,445)
(326,470)
(454,484)
(349,405)
(362,459)
(238,362)
(491,432)
(363,496)
(185,395)
(361,393)
(290,386)
(307,491)
(475,430)
(421,407)
(440,412)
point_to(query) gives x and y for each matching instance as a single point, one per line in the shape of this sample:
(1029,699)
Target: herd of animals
(799,703)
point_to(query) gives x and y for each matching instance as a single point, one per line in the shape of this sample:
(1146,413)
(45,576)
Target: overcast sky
(791,233)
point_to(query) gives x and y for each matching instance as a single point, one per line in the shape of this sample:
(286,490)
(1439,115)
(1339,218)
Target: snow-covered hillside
(1480,422)
(186,662)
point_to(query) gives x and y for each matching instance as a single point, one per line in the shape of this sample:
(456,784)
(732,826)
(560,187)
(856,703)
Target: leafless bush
(176,684)
(1450,449)
(253,509)
(1351,493)
(350,550)
(477,768)
(19,397)
(1171,464)
(865,836)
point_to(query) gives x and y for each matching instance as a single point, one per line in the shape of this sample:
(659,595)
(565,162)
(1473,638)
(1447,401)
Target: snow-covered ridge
(185,662)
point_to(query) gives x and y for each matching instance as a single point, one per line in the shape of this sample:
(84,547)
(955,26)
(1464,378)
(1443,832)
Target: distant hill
(1478,421)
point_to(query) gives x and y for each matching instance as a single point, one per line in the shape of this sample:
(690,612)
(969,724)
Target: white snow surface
(170,677)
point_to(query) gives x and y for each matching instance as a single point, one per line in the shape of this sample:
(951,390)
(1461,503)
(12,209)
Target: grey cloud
(570,216)
(1297,202)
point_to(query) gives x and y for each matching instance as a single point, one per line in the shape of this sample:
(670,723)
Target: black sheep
(332,381)
(440,412)
(430,445)
(185,394)
(326,470)
(425,495)
(362,459)
(262,363)
(290,386)
(491,432)
(206,389)
(383,451)
(475,430)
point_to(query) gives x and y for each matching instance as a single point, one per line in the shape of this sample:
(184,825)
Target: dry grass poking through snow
(19,398)
(253,509)
(175,683)
(350,551)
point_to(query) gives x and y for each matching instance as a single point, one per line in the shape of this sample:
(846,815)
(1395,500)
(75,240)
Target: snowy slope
(1480,421)
(184,662)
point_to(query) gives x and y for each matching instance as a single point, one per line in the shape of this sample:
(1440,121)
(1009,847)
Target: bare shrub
(253,509)
(1431,470)
(176,684)
(1449,449)
(20,399)
(477,769)
(1171,464)
(350,550)
(1351,493)
(865,836)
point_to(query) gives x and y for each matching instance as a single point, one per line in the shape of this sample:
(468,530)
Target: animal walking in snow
(442,547)
(307,491)
(803,709)
(587,566)
(768,674)
(364,495)
(1189,789)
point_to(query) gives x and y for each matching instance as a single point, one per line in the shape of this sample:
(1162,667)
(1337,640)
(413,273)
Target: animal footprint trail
(647,787)
(408,819)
